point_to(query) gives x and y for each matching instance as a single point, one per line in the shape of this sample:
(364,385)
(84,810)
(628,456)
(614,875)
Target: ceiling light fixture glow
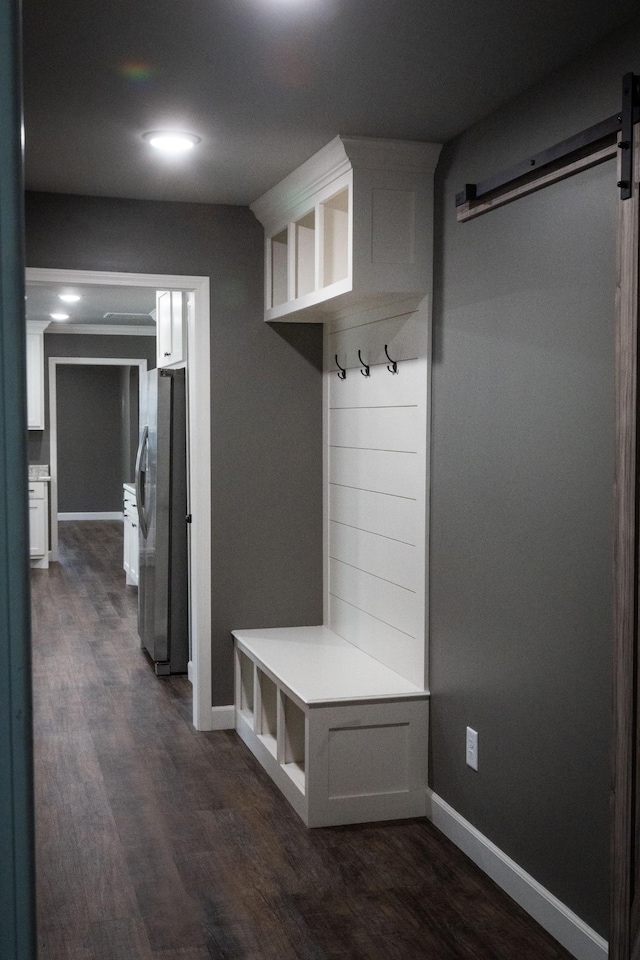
(171,141)
(69,297)
(59,316)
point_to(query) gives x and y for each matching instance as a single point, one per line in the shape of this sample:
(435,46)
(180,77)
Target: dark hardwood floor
(155,842)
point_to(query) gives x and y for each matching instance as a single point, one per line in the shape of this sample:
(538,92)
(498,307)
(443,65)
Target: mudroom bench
(342,736)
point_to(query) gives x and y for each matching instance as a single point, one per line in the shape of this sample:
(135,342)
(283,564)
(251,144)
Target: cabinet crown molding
(37,326)
(337,157)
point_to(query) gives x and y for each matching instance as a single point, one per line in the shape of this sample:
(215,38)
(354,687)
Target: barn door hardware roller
(587,148)
(630,101)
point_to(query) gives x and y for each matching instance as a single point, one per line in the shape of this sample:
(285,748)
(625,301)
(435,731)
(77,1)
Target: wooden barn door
(612,136)
(625,861)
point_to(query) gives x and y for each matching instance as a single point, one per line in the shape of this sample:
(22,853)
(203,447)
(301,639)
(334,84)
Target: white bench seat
(342,735)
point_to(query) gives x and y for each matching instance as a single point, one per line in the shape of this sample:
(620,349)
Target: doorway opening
(198,452)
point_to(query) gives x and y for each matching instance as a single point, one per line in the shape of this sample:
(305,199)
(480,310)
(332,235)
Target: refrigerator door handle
(140,483)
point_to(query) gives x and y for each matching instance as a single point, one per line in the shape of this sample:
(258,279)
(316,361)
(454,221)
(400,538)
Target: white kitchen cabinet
(171,327)
(349,230)
(131,550)
(39,523)
(35,374)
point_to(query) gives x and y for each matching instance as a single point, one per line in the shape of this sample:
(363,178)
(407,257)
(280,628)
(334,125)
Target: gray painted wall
(522,477)
(90,437)
(266,398)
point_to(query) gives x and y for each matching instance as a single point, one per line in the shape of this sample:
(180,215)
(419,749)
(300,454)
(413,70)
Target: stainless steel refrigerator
(161,486)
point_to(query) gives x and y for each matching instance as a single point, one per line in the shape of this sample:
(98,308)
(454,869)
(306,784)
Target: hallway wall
(90,438)
(522,488)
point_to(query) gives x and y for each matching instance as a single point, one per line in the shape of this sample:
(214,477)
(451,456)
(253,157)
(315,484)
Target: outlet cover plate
(472,748)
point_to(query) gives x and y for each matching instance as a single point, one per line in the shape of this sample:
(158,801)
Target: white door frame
(199,405)
(54,363)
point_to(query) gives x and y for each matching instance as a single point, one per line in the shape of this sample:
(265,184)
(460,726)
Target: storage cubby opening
(279,268)
(306,254)
(294,753)
(246,685)
(335,218)
(268,731)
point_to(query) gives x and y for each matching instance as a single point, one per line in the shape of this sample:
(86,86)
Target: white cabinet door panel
(37,528)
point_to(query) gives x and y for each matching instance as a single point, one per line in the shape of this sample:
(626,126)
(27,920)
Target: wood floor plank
(122,939)
(188,953)
(156,842)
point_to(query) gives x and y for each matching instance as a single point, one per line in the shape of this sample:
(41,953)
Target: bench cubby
(341,735)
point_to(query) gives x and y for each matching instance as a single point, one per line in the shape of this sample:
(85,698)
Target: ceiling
(96,301)
(266,83)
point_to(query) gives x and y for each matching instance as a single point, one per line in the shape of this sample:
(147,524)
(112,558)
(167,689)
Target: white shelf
(279,269)
(318,666)
(305,255)
(247,686)
(350,228)
(267,712)
(334,216)
(297,774)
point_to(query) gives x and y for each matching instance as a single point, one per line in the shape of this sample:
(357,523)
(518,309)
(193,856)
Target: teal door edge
(17,896)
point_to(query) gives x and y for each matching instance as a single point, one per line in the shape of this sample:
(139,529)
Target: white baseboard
(190,672)
(223,718)
(114,515)
(556,918)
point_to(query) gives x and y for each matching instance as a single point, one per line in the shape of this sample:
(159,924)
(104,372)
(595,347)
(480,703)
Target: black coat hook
(365,371)
(394,363)
(342,373)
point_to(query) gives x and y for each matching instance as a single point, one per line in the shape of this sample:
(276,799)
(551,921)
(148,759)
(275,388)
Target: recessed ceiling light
(69,297)
(59,316)
(171,141)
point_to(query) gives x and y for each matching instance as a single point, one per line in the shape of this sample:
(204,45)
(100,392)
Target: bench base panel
(362,763)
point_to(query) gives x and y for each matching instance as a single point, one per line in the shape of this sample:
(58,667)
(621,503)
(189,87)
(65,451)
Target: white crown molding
(370,153)
(115,278)
(37,326)
(336,158)
(103,329)
(106,515)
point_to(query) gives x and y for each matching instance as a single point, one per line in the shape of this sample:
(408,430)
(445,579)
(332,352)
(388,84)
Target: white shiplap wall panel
(378,639)
(387,602)
(381,388)
(376,470)
(403,335)
(376,487)
(375,428)
(394,517)
(388,559)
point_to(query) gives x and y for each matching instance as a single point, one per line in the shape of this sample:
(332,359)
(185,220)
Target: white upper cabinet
(35,373)
(171,327)
(350,229)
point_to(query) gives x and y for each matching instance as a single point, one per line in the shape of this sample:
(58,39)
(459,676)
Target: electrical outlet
(472,748)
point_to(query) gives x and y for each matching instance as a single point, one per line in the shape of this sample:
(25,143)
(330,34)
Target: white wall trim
(556,918)
(103,329)
(199,393)
(223,718)
(54,362)
(113,515)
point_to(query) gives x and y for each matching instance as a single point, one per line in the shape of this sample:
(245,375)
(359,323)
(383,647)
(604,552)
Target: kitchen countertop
(39,471)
